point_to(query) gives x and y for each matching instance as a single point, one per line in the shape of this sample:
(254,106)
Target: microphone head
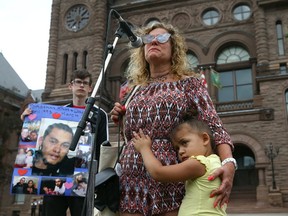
(137,43)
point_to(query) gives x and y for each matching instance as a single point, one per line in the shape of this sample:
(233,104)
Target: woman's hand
(226,173)
(117,112)
(26,112)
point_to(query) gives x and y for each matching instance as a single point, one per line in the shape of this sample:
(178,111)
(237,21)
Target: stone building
(243,40)
(14,96)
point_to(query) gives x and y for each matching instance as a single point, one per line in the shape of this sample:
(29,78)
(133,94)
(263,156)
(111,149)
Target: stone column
(261,190)
(261,36)
(52,50)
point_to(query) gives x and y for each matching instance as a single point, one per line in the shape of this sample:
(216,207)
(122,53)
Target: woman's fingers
(117,112)
(226,173)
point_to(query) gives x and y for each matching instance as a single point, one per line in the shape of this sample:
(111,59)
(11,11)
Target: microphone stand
(88,206)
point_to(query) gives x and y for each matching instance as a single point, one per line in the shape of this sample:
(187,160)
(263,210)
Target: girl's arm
(188,169)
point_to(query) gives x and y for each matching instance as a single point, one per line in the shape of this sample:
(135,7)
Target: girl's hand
(141,141)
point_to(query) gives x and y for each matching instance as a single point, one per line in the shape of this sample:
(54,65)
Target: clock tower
(77,39)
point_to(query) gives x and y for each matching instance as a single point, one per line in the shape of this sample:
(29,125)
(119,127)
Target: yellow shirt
(197,201)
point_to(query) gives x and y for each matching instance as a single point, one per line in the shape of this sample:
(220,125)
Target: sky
(24,37)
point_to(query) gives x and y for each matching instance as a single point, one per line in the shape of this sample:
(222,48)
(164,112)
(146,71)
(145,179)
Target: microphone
(135,41)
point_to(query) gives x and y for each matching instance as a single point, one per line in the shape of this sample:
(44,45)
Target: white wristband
(230,160)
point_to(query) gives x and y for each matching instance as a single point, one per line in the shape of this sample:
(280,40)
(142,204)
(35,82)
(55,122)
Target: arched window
(192,60)
(236,83)
(280,38)
(233,54)
(75,56)
(65,69)
(85,59)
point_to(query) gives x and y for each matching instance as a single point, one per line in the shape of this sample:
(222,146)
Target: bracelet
(230,160)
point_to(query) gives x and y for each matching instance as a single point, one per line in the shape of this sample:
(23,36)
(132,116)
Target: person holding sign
(80,86)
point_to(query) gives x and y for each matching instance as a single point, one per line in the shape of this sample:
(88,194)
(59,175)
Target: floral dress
(156,109)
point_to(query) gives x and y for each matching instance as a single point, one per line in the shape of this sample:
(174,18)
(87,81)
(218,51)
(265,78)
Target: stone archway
(252,175)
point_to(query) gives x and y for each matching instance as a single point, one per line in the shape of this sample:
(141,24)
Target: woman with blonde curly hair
(167,91)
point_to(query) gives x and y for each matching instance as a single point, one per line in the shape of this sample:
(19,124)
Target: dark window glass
(236,85)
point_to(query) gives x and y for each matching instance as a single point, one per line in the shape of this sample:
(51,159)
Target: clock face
(77,18)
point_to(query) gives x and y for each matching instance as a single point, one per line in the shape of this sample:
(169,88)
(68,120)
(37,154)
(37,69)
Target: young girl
(29,158)
(193,141)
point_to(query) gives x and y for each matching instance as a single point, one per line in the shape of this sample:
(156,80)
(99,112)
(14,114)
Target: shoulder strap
(131,95)
(120,148)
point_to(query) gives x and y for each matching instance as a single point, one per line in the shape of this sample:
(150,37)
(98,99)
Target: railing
(233,106)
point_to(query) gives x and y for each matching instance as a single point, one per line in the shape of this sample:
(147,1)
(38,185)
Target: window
(280,38)
(211,17)
(15,213)
(286,100)
(233,54)
(248,162)
(236,85)
(85,59)
(242,12)
(19,198)
(192,60)
(75,56)
(65,68)
(283,68)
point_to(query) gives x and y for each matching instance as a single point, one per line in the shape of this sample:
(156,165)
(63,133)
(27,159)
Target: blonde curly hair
(138,69)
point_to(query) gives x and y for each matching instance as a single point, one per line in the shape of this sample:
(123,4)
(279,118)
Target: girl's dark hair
(197,125)
(32,152)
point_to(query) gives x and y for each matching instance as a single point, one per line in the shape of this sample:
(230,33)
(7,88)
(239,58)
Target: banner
(44,165)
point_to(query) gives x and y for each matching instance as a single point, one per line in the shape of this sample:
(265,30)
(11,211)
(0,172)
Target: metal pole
(273,175)
(271,153)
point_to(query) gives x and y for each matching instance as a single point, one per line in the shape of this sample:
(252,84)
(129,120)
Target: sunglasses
(161,38)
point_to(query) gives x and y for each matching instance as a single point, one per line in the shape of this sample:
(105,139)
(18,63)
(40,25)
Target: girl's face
(188,142)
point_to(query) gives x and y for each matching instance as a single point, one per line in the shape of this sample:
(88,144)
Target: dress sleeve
(199,99)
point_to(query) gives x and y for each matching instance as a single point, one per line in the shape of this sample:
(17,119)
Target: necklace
(161,78)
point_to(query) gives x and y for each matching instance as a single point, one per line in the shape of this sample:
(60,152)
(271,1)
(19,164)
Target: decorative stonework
(181,20)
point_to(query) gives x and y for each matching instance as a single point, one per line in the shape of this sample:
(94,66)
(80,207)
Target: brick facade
(253,124)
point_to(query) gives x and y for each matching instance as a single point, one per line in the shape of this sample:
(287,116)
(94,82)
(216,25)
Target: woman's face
(30,183)
(156,52)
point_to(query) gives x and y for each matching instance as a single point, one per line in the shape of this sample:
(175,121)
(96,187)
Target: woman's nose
(154,41)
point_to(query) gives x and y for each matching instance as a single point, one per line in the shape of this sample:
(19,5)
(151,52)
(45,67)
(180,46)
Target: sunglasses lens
(163,38)
(147,39)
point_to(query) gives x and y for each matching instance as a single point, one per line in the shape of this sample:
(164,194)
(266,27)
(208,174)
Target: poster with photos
(44,165)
